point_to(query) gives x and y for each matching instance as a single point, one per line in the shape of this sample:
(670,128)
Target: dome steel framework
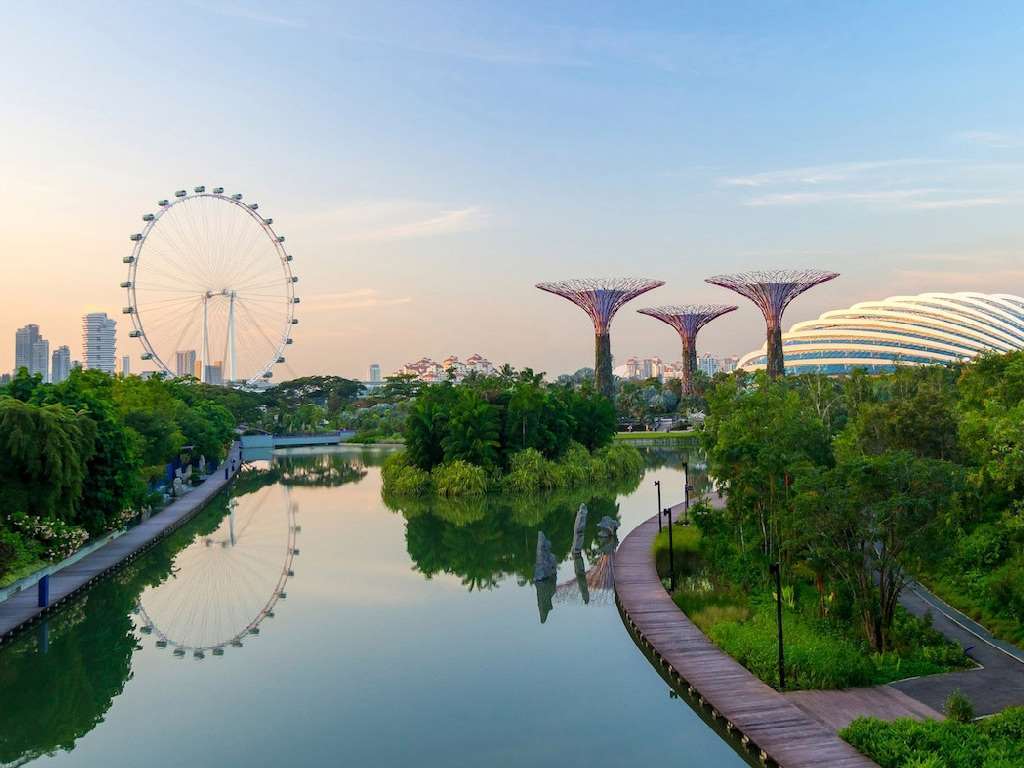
(877,336)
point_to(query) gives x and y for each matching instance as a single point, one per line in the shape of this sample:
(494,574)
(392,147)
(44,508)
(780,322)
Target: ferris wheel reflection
(228,582)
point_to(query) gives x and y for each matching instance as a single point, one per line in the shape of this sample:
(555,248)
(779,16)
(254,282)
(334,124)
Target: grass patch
(995,742)
(820,654)
(676,434)
(685,549)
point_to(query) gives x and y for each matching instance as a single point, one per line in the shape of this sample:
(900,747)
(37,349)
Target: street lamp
(671,561)
(686,492)
(657,484)
(776,570)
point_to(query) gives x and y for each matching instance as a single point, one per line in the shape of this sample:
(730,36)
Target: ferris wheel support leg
(206,340)
(231,337)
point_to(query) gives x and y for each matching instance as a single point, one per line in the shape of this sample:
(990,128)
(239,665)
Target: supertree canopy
(688,319)
(772,291)
(601,299)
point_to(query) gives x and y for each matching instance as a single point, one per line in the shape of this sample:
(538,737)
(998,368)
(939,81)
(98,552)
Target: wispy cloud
(385,220)
(360,298)
(992,139)
(901,184)
(881,196)
(249,14)
(819,174)
(983,269)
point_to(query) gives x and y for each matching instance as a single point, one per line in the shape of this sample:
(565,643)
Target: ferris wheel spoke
(170,268)
(175,241)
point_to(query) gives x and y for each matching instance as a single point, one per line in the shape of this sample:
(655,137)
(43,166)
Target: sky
(430,161)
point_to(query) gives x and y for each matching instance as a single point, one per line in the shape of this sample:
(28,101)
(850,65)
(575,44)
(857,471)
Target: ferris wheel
(211,292)
(223,586)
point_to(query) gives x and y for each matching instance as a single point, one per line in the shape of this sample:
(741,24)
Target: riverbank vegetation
(78,457)
(855,485)
(507,433)
(994,742)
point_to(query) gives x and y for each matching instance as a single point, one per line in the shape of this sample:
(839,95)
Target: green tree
(46,450)
(473,431)
(872,520)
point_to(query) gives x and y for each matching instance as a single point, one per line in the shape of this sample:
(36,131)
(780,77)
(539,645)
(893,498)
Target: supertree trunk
(603,378)
(776,366)
(689,364)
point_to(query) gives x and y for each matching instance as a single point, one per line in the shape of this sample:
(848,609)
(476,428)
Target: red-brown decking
(762,718)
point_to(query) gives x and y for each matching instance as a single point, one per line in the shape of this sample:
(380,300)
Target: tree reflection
(486,539)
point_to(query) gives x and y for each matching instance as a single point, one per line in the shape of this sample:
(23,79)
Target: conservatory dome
(901,330)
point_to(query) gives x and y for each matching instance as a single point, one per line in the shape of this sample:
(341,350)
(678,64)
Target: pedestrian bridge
(270,442)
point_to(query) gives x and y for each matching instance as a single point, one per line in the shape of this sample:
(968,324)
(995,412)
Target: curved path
(764,719)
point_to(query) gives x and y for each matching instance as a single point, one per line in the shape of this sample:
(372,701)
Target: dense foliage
(995,742)
(855,483)
(76,455)
(509,432)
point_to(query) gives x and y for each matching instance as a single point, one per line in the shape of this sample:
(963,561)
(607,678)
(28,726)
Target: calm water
(305,622)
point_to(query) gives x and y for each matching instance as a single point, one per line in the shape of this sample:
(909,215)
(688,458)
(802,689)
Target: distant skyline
(430,162)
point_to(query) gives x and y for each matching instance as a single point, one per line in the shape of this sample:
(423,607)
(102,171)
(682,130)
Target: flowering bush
(59,539)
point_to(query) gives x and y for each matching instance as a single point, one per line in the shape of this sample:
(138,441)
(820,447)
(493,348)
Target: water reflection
(203,588)
(485,539)
(60,680)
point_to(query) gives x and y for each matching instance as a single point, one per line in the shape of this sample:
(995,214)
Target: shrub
(996,742)
(459,478)
(529,472)
(402,478)
(958,707)
(58,539)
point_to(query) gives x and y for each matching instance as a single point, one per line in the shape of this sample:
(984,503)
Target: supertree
(688,319)
(601,299)
(772,292)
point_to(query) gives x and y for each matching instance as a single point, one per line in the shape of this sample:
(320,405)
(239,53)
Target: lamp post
(776,570)
(671,560)
(686,492)
(657,484)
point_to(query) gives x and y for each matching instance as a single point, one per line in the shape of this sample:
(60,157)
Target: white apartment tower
(99,334)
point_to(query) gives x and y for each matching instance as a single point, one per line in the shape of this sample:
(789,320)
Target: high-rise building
(126,365)
(185,362)
(40,359)
(5,379)
(374,373)
(99,335)
(60,367)
(24,338)
(215,372)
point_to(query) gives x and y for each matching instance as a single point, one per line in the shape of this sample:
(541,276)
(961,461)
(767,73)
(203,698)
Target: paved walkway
(998,684)
(765,720)
(837,709)
(21,609)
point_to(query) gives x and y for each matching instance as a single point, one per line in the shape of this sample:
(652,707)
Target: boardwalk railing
(762,718)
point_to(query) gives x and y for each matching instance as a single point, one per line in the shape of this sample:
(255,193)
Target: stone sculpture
(579,529)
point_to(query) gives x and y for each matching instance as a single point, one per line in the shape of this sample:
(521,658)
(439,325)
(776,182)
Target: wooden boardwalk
(21,609)
(763,719)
